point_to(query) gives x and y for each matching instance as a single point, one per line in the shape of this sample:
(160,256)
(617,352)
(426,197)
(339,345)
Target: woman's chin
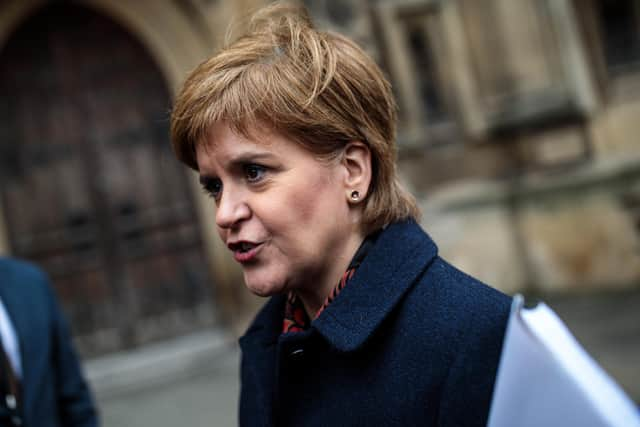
(263,288)
(259,291)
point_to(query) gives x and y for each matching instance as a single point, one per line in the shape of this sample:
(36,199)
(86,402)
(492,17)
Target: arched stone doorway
(90,190)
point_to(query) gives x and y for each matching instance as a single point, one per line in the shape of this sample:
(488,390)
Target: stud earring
(355,195)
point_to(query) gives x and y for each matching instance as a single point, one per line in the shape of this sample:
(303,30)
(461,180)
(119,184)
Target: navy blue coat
(54,391)
(409,341)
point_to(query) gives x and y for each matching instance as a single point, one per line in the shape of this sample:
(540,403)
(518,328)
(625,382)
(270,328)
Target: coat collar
(400,254)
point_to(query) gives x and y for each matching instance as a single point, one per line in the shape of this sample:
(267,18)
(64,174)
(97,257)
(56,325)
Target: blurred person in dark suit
(41,382)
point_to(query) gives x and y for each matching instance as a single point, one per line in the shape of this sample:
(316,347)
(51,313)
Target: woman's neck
(314,296)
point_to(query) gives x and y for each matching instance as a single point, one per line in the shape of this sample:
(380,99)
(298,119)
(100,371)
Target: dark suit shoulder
(24,272)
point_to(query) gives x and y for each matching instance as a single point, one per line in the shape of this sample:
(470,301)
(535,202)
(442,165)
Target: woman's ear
(356,160)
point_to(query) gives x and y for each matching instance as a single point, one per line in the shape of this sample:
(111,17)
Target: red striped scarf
(295,316)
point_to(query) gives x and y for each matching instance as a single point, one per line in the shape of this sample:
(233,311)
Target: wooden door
(90,188)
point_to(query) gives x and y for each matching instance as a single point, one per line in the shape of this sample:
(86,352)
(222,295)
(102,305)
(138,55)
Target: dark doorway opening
(90,189)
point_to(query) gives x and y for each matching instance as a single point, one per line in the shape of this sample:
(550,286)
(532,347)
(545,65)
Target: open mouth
(244,251)
(245,247)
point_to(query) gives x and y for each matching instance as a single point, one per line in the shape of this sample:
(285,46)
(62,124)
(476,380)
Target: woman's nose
(231,211)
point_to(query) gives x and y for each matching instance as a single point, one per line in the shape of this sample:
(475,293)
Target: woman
(292,132)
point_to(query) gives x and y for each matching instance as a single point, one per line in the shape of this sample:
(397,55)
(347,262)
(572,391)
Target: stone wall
(573,232)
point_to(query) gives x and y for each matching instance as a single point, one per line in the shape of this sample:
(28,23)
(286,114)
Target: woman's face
(283,213)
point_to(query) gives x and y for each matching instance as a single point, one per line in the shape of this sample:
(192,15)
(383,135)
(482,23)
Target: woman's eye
(213,188)
(254,173)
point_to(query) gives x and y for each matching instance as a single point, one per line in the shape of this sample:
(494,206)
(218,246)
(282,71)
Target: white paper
(546,378)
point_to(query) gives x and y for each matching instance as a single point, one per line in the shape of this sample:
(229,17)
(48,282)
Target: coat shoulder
(458,288)
(457,305)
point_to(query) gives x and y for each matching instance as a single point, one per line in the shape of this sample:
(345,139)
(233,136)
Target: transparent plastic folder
(546,378)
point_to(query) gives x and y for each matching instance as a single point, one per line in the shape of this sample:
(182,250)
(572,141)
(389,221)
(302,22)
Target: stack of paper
(547,379)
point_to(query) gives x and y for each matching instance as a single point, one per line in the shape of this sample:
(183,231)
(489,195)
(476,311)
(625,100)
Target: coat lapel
(400,254)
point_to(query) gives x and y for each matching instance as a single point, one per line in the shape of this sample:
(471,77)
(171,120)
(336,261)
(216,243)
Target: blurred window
(619,22)
(427,79)
(413,46)
(340,13)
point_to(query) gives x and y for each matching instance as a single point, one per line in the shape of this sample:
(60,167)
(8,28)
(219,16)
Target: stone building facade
(518,134)
(518,124)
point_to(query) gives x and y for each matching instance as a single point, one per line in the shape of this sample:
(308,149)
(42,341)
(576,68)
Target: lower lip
(244,257)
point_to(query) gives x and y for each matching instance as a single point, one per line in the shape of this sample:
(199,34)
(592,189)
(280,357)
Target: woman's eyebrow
(245,158)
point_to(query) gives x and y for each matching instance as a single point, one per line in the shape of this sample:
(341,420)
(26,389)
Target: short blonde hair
(318,88)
